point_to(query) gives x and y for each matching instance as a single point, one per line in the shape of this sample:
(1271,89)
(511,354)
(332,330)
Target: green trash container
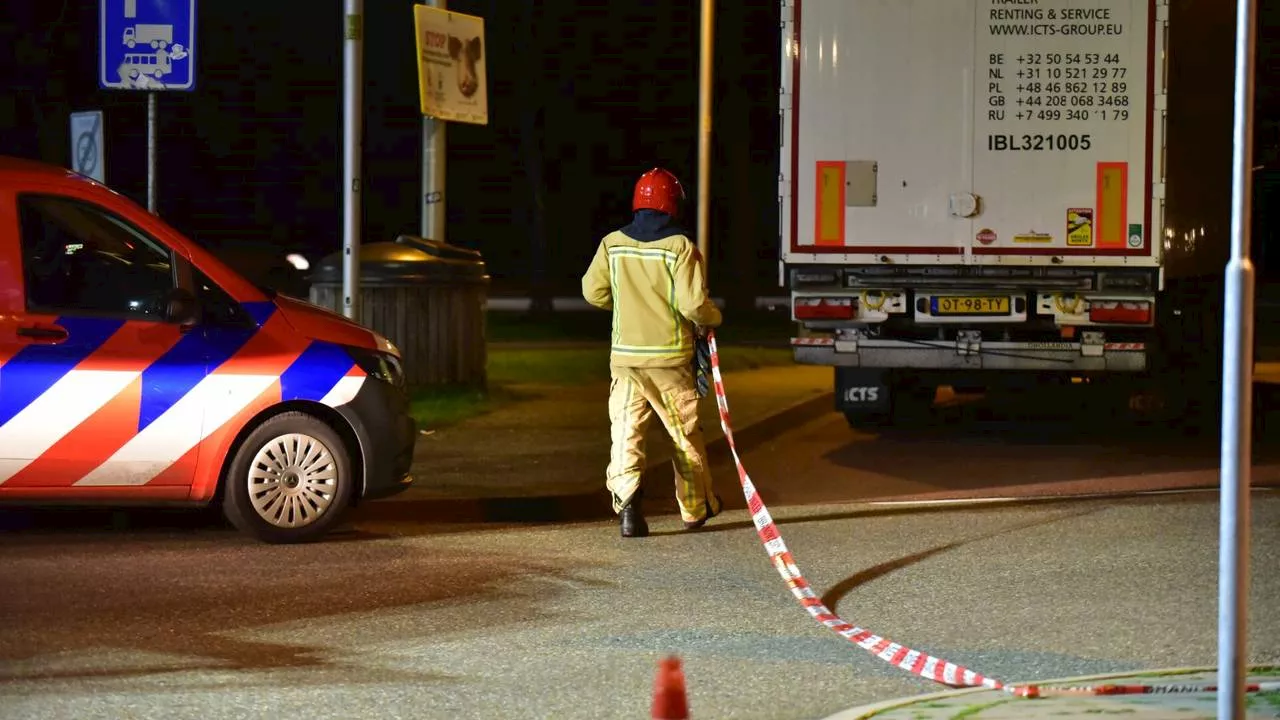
(427,297)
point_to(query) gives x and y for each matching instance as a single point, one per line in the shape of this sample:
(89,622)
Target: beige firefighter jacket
(657,292)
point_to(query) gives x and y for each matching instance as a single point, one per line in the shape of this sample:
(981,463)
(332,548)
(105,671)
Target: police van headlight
(379,365)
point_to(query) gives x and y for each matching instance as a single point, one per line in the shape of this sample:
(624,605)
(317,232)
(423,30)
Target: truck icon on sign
(158,36)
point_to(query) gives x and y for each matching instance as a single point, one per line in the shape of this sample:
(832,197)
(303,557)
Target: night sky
(582,98)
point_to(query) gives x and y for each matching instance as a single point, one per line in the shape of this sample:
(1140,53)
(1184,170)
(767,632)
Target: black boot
(631,519)
(694,525)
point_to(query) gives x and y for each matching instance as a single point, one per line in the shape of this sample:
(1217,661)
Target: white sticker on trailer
(1061,123)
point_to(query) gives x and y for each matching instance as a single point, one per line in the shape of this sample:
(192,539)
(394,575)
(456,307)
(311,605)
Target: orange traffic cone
(669,700)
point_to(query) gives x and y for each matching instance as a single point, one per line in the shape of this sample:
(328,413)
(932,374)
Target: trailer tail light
(1127,312)
(825,308)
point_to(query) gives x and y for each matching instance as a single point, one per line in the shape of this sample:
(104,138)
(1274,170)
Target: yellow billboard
(451,69)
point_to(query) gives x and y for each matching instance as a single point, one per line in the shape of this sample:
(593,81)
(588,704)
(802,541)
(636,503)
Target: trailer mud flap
(862,389)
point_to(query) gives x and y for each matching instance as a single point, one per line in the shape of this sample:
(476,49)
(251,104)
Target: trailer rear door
(970,131)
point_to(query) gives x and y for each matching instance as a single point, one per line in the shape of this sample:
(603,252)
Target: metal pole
(151,152)
(352,101)
(704,128)
(1237,392)
(433,170)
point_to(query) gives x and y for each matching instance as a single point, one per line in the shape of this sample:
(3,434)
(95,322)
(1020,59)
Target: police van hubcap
(292,480)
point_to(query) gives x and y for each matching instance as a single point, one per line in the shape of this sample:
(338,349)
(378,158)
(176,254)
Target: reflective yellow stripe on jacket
(656,292)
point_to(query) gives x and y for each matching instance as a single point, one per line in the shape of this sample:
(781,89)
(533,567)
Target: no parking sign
(87,157)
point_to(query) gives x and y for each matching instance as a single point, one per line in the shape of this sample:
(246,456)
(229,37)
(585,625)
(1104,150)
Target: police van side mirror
(182,307)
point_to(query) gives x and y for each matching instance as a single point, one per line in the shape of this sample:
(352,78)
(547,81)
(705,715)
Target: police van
(137,368)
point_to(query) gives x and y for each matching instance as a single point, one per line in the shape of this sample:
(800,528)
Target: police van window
(80,258)
(216,306)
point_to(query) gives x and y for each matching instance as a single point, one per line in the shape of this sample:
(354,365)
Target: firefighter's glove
(702,364)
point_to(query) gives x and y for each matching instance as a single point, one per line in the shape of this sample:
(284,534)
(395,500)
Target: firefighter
(650,275)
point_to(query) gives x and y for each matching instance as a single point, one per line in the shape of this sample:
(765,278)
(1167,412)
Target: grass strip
(434,408)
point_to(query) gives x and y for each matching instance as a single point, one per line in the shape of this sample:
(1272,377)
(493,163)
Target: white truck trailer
(973,193)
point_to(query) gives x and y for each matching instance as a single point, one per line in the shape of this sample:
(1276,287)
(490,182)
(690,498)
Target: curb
(1262,477)
(866,712)
(593,506)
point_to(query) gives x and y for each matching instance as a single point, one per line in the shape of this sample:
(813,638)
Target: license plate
(969,305)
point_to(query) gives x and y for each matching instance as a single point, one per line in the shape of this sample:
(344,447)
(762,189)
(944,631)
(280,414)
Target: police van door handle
(43,333)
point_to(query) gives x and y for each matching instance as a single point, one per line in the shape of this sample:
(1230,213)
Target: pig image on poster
(466,54)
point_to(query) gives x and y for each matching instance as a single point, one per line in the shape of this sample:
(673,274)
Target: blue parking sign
(147,44)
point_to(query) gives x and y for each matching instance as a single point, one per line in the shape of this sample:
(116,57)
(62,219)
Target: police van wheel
(290,480)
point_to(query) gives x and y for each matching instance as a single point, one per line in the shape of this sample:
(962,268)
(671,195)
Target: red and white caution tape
(913,661)
(1150,689)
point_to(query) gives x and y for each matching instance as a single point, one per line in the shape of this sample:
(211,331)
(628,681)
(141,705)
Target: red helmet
(658,190)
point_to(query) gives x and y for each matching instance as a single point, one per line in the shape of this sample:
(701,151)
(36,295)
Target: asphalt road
(171,615)
(1049,444)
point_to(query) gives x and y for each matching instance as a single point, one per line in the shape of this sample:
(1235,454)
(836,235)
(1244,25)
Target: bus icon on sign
(154,64)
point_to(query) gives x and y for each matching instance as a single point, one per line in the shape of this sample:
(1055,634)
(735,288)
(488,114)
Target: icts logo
(862,394)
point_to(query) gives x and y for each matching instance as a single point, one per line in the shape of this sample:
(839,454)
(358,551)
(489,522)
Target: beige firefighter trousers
(635,396)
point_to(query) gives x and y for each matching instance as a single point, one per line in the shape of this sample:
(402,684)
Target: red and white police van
(136,368)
